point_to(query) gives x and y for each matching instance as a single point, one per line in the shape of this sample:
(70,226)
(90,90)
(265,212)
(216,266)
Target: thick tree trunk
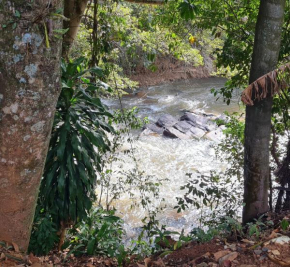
(29,89)
(258,116)
(73,10)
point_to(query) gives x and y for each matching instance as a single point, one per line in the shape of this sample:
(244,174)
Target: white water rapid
(171,158)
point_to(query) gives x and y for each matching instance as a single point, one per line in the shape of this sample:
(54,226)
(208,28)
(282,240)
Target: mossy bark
(29,89)
(258,117)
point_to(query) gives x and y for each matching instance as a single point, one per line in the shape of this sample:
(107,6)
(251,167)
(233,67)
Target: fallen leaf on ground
(229,257)
(275,252)
(220,254)
(15,246)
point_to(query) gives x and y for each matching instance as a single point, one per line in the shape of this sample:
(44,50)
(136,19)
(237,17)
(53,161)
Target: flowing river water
(171,159)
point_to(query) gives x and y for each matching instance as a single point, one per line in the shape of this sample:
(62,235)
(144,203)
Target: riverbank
(170,69)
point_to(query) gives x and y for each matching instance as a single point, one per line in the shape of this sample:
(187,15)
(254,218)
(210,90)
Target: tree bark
(258,117)
(73,10)
(29,89)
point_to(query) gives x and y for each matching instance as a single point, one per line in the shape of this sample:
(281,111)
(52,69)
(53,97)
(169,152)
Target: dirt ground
(212,254)
(269,249)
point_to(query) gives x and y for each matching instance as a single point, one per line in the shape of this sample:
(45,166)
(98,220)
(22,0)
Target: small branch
(282,188)
(274,146)
(46,36)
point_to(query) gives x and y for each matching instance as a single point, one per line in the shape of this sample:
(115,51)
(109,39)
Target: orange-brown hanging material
(267,85)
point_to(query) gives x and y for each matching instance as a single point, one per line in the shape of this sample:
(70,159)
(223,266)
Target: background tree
(258,117)
(29,89)
(73,11)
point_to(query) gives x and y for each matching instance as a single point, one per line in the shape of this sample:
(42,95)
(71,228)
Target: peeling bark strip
(29,89)
(268,85)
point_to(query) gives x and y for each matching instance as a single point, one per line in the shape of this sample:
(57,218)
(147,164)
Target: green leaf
(253,229)
(91,246)
(61,180)
(284,224)
(61,31)
(17,14)
(62,143)
(187,9)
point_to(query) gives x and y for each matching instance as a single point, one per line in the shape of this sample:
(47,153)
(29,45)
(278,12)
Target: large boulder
(211,126)
(154,128)
(166,121)
(216,135)
(148,132)
(190,126)
(174,133)
(196,132)
(182,126)
(195,120)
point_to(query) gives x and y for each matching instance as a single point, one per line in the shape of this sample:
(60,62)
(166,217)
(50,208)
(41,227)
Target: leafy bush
(44,234)
(99,234)
(209,192)
(77,143)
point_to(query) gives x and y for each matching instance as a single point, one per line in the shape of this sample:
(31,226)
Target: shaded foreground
(270,247)
(214,254)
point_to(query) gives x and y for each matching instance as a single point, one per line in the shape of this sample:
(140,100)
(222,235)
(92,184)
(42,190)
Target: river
(170,159)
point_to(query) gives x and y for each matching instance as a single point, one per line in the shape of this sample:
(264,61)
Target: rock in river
(190,125)
(216,135)
(182,126)
(154,128)
(174,133)
(166,121)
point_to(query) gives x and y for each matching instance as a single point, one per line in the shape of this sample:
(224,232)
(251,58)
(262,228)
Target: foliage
(234,22)
(231,149)
(77,144)
(44,234)
(131,37)
(209,192)
(74,157)
(284,224)
(100,234)
(228,227)
(203,236)
(256,227)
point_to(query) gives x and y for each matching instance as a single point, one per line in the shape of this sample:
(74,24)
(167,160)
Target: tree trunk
(29,89)
(258,117)
(73,10)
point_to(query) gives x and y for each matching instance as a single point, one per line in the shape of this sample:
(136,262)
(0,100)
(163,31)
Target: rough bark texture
(29,89)
(73,10)
(258,116)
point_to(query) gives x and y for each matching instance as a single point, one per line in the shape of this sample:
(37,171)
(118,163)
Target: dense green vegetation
(121,38)
(131,37)
(116,39)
